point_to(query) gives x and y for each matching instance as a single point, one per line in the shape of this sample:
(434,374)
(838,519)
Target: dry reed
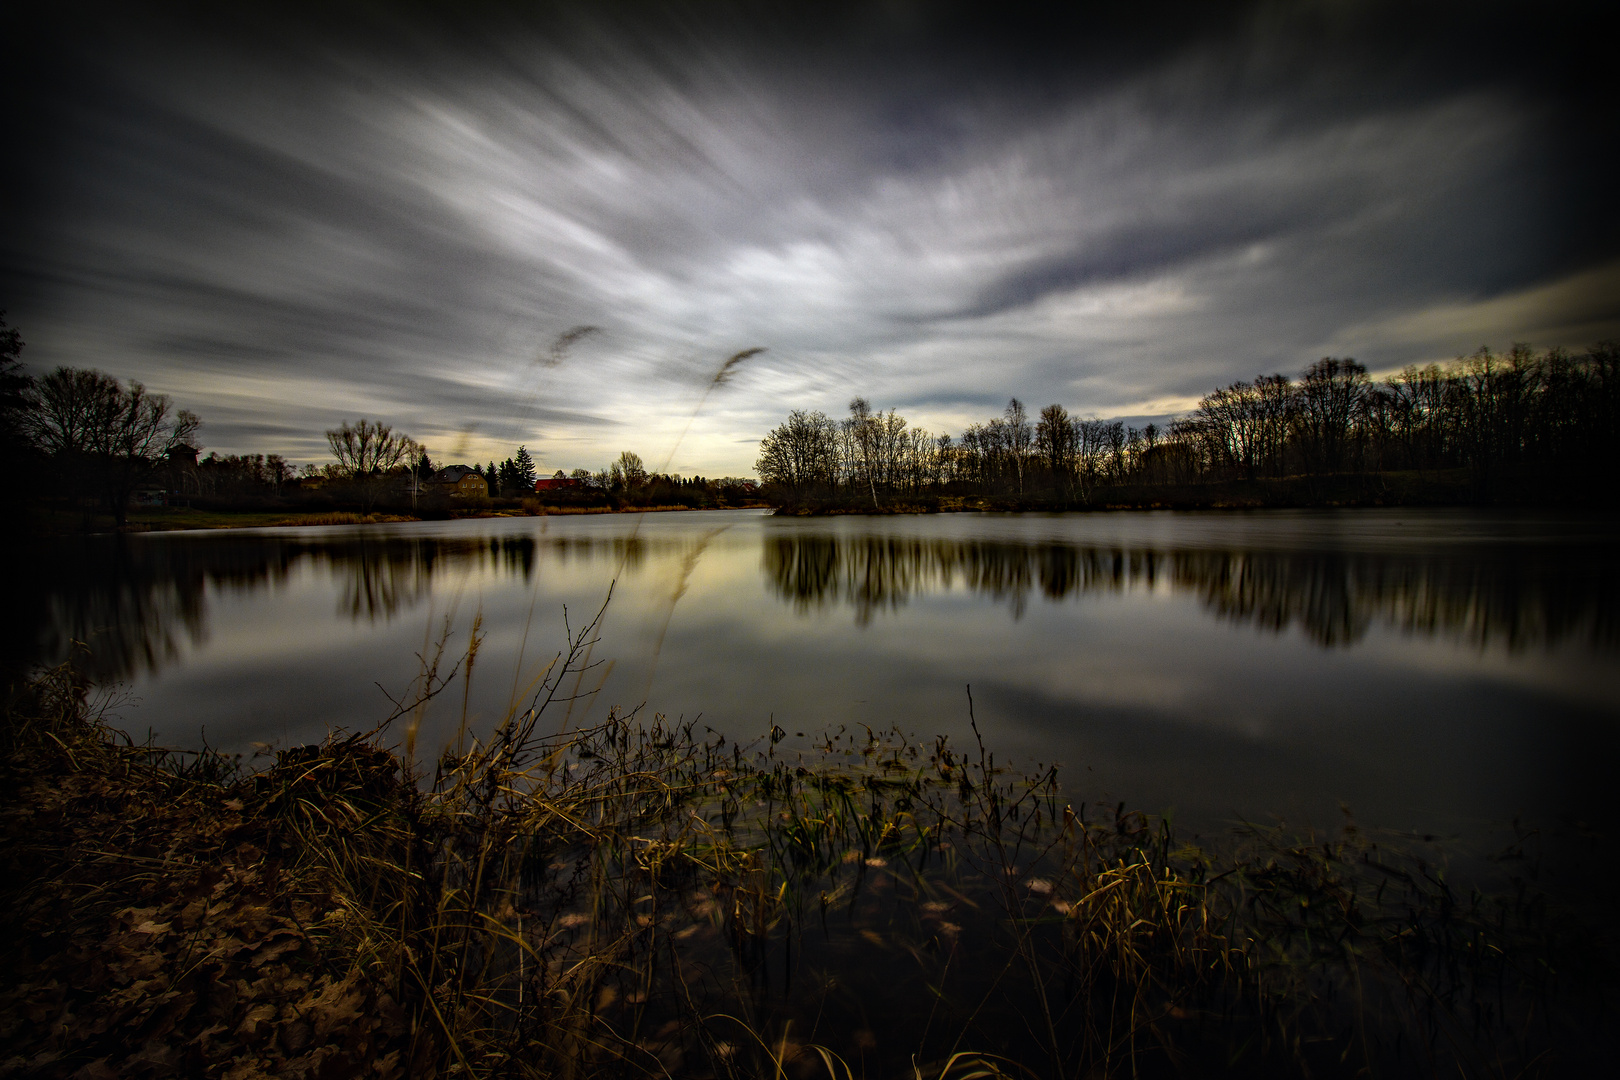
(642,898)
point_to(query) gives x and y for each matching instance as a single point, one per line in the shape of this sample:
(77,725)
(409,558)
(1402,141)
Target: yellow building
(460,482)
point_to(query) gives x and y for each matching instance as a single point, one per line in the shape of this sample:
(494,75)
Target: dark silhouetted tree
(16,397)
(524,465)
(103,436)
(860,436)
(628,473)
(1020,437)
(1330,403)
(367,452)
(800,456)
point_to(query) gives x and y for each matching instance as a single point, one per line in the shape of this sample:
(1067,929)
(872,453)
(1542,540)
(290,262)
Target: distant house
(555,483)
(459,482)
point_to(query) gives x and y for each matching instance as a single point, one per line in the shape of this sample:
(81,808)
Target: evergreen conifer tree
(525,469)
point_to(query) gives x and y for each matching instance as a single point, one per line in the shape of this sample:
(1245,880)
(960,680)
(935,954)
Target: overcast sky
(286,218)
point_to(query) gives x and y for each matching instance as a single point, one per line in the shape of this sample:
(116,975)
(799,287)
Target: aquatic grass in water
(647,897)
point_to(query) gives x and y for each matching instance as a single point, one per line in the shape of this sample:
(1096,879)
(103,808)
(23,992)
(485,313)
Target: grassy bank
(642,898)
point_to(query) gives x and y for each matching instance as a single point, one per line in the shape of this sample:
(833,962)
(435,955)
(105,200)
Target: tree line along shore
(104,454)
(1522,427)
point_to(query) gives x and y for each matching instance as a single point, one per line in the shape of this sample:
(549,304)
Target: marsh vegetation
(641,897)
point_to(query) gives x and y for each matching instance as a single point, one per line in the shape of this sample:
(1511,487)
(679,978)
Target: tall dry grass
(648,898)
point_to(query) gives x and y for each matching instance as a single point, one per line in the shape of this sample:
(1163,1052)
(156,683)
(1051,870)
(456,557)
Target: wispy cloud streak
(505,231)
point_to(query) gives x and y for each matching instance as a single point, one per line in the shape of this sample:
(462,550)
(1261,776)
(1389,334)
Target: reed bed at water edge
(645,897)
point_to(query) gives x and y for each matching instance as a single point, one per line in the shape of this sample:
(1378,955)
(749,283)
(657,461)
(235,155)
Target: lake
(1440,670)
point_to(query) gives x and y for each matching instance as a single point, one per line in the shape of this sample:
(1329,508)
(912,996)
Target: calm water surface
(1440,670)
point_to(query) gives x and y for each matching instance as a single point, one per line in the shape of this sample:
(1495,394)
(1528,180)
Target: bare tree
(801,455)
(946,456)
(862,435)
(104,435)
(1330,400)
(1020,437)
(365,448)
(1275,403)
(1090,444)
(1114,441)
(628,472)
(367,452)
(1055,445)
(1415,405)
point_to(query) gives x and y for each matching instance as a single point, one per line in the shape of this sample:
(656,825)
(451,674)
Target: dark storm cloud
(284,217)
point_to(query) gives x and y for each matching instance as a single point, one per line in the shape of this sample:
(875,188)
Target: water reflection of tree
(381,576)
(377,584)
(1274,592)
(135,601)
(119,610)
(1516,598)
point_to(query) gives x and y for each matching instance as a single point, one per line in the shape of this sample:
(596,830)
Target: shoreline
(222,520)
(320,910)
(1412,490)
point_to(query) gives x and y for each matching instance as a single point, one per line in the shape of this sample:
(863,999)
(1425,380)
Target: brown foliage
(157,923)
